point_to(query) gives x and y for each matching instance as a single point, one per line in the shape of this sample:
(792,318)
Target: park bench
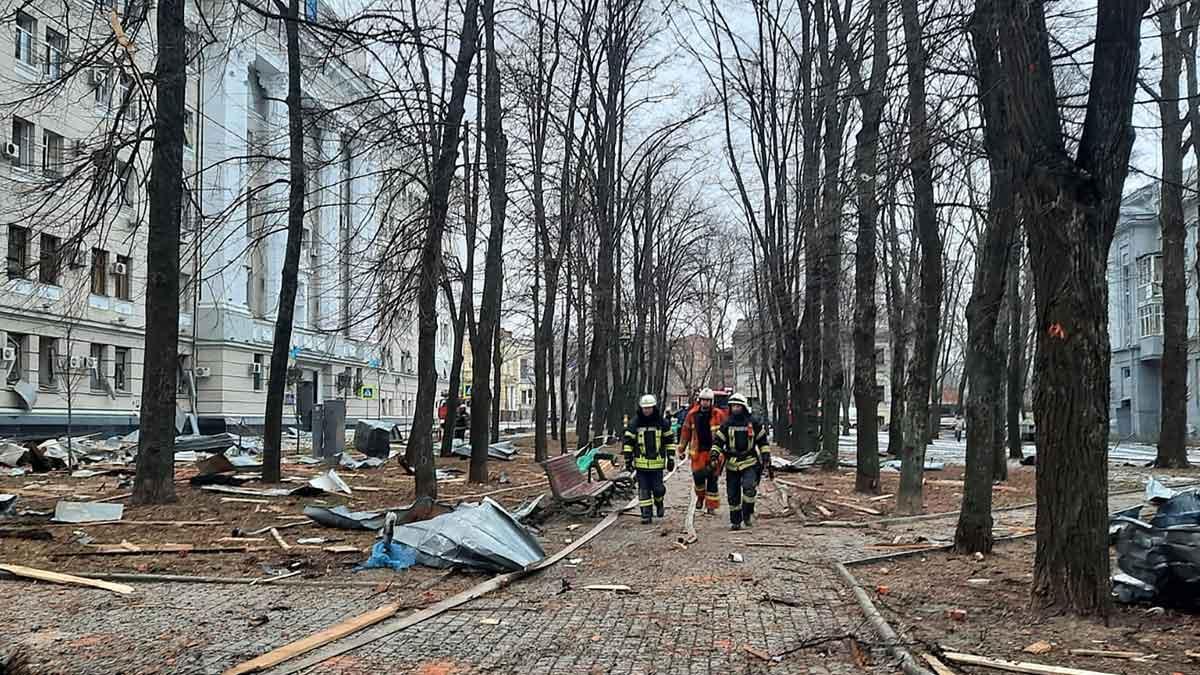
(572,489)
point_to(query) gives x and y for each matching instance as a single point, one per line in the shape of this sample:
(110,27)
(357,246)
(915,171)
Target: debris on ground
(1160,560)
(343,518)
(480,536)
(503,450)
(330,482)
(55,577)
(87,512)
(894,465)
(1156,492)
(8,505)
(374,437)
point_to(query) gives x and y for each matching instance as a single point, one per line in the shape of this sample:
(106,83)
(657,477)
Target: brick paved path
(693,612)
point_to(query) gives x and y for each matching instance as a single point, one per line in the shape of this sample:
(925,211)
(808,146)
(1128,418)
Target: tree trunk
(1172,453)
(999,376)
(1016,353)
(497,386)
(866,167)
(154,482)
(285,312)
(446,158)
(496,150)
(832,374)
(929,299)
(1070,207)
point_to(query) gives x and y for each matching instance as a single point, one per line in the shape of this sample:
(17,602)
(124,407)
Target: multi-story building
(72,312)
(1135,317)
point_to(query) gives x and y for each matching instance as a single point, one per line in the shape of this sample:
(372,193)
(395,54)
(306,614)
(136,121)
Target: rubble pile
(1159,560)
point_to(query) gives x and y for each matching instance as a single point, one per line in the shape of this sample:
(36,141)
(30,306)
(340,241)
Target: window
(22,136)
(26,29)
(96,367)
(99,272)
(48,260)
(124,93)
(185,292)
(257,372)
(17,343)
(52,153)
(18,252)
(47,370)
(121,275)
(104,87)
(1150,319)
(121,369)
(56,46)
(188,131)
(126,186)
(1149,277)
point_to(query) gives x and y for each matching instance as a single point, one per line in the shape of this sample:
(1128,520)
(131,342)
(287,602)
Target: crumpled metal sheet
(479,536)
(343,518)
(353,464)
(1156,492)
(87,512)
(330,482)
(7,505)
(1162,556)
(11,454)
(504,450)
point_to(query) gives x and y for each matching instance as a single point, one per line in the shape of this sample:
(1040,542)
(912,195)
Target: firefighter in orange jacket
(696,437)
(742,443)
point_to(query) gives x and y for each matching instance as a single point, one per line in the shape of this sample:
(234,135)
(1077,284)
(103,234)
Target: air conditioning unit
(92,363)
(76,362)
(203,371)
(120,269)
(9,355)
(256,368)
(12,150)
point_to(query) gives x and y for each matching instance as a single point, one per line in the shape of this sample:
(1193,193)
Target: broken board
(56,578)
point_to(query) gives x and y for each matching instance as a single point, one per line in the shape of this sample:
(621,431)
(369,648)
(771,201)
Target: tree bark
(154,482)
(866,167)
(1172,453)
(1015,390)
(929,299)
(285,312)
(483,351)
(1071,205)
(446,158)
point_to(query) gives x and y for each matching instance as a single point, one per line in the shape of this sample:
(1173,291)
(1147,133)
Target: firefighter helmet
(648,401)
(738,399)
(706,394)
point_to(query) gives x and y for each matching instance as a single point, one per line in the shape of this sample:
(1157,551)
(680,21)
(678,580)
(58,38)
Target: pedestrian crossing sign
(366,393)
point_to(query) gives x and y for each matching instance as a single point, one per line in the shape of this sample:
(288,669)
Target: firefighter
(649,449)
(741,442)
(696,439)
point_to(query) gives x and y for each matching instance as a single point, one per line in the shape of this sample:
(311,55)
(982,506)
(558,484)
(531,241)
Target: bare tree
(916,419)
(1070,206)
(154,482)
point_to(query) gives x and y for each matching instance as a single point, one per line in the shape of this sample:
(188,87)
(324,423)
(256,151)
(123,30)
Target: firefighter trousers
(742,487)
(651,492)
(708,488)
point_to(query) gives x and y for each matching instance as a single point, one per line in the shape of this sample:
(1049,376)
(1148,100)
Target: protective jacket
(649,441)
(741,442)
(700,428)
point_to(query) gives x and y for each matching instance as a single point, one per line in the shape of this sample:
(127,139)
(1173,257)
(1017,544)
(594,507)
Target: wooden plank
(1106,654)
(279,539)
(493,492)
(824,511)
(800,487)
(243,500)
(768,544)
(881,498)
(939,668)
(855,507)
(342,549)
(335,632)
(162,523)
(619,588)
(839,523)
(56,578)
(1016,666)
(188,549)
(267,580)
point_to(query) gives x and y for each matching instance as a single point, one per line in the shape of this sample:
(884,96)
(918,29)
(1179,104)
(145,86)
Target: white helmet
(738,399)
(706,394)
(648,401)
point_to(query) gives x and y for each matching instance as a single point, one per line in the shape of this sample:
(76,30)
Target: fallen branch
(1015,666)
(939,668)
(1103,653)
(840,523)
(167,523)
(891,640)
(801,487)
(855,507)
(189,549)
(267,580)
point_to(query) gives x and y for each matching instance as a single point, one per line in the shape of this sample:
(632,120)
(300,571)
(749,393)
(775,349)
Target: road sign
(366,393)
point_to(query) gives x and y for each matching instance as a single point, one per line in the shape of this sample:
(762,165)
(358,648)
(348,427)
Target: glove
(670,464)
(628,457)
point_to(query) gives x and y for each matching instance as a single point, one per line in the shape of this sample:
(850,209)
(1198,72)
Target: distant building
(1135,325)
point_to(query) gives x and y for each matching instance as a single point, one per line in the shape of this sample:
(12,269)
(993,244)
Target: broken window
(14,354)
(18,252)
(121,369)
(95,366)
(121,275)
(47,365)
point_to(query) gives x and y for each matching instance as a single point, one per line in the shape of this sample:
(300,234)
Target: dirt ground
(943,492)
(220,521)
(919,594)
